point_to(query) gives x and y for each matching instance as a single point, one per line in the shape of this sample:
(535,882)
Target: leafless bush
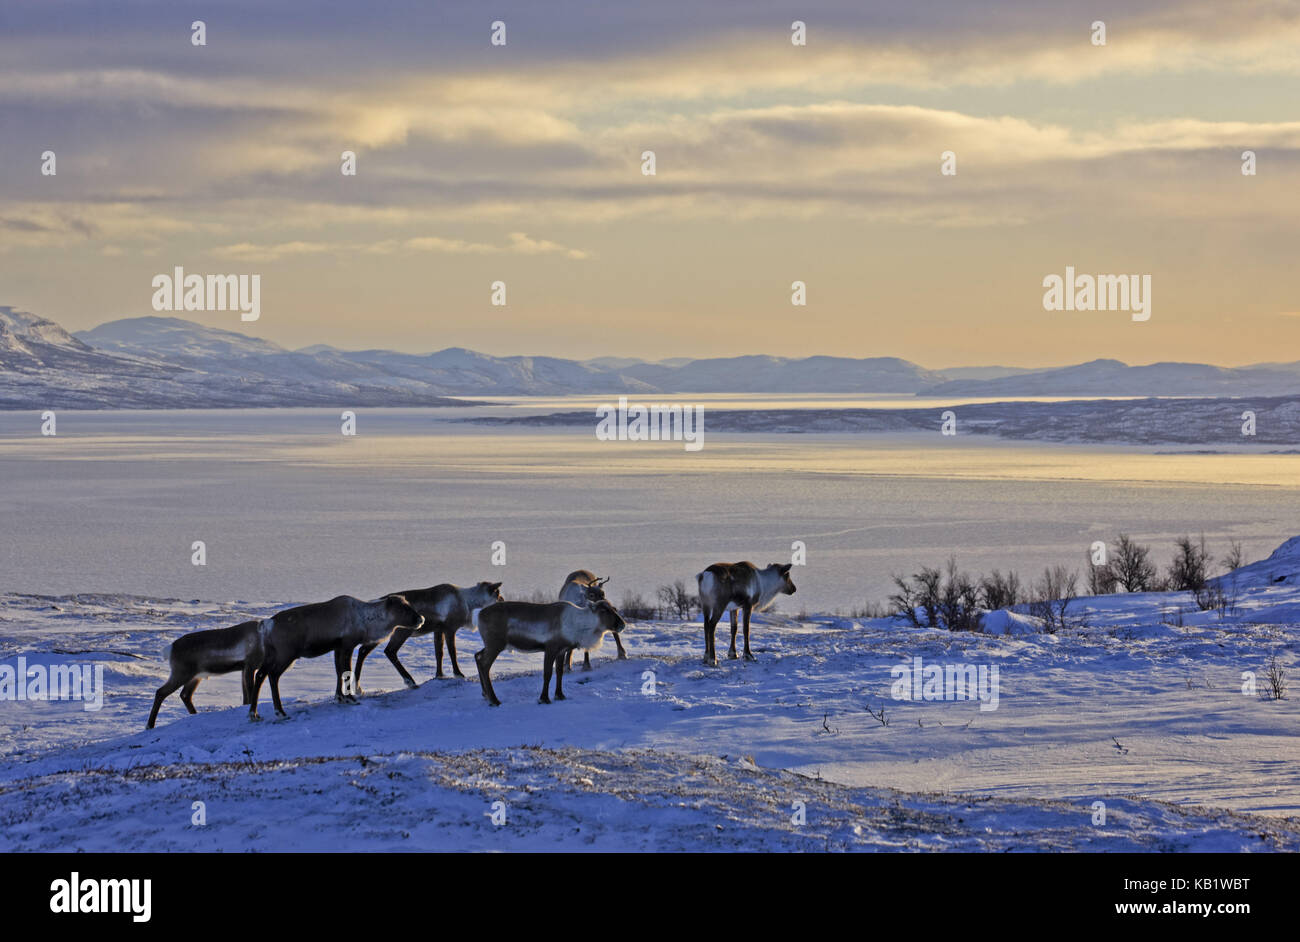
(1101,578)
(1234,558)
(1190,568)
(998,591)
(635,607)
(676,601)
(1274,680)
(870,610)
(929,599)
(1132,565)
(1052,597)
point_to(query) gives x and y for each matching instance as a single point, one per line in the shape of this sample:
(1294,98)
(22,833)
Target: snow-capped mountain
(168,362)
(1114,378)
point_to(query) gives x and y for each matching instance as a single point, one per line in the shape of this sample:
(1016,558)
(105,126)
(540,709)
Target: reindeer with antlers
(584,589)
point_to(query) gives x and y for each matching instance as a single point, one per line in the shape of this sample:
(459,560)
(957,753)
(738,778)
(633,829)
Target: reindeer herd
(581,617)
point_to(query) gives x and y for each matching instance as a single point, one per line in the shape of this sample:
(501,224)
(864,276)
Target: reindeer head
(400,613)
(787,584)
(484,594)
(610,619)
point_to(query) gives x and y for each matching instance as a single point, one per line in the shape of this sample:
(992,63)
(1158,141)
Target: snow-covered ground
(1142,710)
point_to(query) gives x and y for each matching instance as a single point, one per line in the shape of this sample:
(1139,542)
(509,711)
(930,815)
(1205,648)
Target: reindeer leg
(437,646)
(164,692)
(342,666)
(748,654)
(559,675)
(256,690)
(732,653)
(622,654)
(275,693)
(394,645)
(187,695)
(484,661)
(362,651)
(451,650)
(710,625)
(247,675)
(546,675)
(586,660)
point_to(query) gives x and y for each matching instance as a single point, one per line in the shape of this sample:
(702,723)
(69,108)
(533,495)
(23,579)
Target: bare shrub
(1132,565)
(1234,558)
(635,607)
(1190,568)
(1052,597)
(1101,579)
(998,591)
(676,601)
(1274,680)
(933,599)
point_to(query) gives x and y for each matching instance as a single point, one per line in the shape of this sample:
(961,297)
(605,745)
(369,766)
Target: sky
(775,163)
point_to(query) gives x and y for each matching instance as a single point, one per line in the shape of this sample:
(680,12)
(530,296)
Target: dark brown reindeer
(583,588)
(554,628)
(732,587)
(338,625)
(201,654)
(445,608)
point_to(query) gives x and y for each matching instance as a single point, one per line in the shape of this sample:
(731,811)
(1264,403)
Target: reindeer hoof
(459,674)
(545,700)
(732,655)
(410,684)
(622,656)
(254,718)
(750,657)
(560,696)
(494,703)
(586,667)
(281,714)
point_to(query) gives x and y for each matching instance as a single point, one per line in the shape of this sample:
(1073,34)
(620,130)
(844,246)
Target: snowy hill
(1113,378)
(1143,709)
(41,365)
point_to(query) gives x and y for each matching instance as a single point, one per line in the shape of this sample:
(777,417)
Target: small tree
(929,600)
(1191,565)
(998,591)
(675,601)
(1132,566)
(1053,594)
(1234,558)
(1101,579)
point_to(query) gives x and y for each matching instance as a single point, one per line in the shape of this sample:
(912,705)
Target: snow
(1142,709)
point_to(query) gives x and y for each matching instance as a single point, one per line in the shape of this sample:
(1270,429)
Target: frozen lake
(291,510)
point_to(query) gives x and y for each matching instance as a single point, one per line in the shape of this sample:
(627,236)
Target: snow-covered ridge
(1143,709)
(194,365)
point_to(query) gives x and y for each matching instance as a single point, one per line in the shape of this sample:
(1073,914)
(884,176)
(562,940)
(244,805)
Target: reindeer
(554,628)
(445,608)
(728,587)
(582,588)
(338,625)
(201,654)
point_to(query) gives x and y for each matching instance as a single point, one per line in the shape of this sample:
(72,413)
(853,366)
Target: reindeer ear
(494,586)
(786,568)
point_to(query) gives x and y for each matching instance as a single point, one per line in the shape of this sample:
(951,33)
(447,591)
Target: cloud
(519,243)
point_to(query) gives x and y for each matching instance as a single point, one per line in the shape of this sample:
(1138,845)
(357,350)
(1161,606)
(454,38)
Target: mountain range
(167,362)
